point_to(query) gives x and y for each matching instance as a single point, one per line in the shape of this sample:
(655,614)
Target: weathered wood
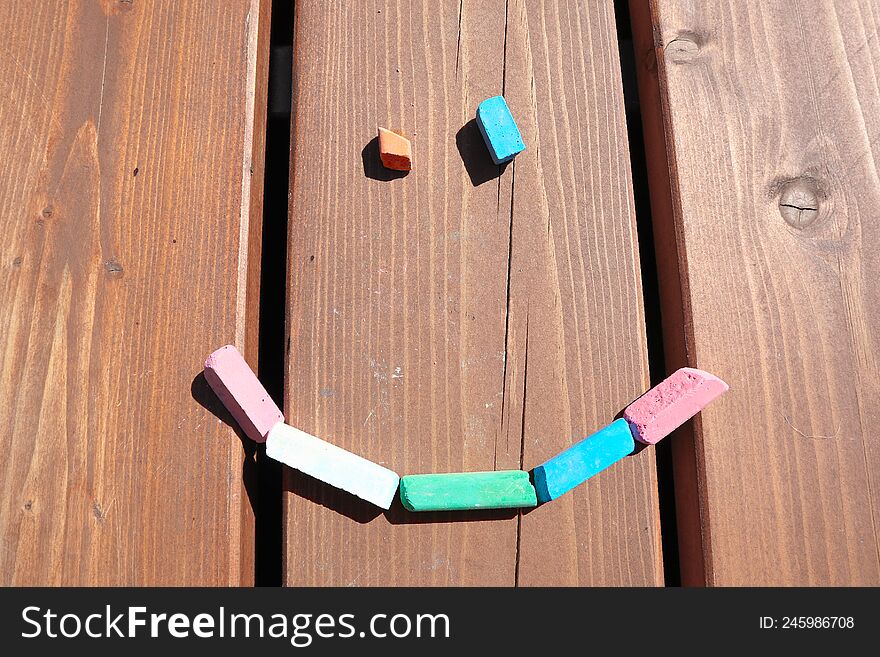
(761,126)
(464,317)
(130,214)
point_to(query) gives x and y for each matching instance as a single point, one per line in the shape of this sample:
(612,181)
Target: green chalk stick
(460,491)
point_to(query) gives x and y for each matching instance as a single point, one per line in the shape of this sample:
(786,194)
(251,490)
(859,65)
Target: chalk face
(332,465)
(395,150)
(461,491)
(232,379)
(671,403)
(583,460)
(499,130)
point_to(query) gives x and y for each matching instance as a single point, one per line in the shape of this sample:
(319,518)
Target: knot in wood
(113,268)
(684,48)
(799,202)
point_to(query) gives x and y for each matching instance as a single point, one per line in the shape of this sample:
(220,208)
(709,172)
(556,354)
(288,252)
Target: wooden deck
(762,157)
(131,226)
(461,317)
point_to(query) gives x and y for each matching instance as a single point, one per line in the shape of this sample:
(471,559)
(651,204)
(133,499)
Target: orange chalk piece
(395,150)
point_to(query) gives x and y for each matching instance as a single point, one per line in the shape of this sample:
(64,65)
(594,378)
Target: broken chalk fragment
(499,130)
(332,465)
(395,150)
(583,460)
(460,491)
(671,403)
(241,392)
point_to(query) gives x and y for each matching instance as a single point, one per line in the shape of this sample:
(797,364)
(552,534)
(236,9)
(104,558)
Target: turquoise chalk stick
(461,491)
(499,130)
(583,460)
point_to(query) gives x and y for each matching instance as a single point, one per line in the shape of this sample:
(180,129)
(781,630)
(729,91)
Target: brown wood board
(761,126)
(463,317)
(130,206)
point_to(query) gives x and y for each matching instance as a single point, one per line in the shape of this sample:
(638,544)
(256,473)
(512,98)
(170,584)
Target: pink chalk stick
(242,393)
(671,403)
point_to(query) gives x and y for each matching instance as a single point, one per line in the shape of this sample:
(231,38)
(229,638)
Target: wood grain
(131,134)
(463,317)
(762,126)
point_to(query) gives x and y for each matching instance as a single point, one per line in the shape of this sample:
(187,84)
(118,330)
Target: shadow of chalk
(317,492)
(475,155)
(206,397)
(202,393)
(399,515)
(373,167)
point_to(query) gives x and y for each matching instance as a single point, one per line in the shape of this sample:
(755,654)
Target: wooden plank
(762,142)
(463,318)
(129,130)
(579,315)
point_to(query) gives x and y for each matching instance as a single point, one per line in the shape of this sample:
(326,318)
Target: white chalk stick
(332,465)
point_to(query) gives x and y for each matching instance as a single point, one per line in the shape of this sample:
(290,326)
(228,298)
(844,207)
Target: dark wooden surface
(463,317)
(130,210)
(762,124)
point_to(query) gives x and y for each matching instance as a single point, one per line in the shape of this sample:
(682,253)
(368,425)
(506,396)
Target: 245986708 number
(807,622)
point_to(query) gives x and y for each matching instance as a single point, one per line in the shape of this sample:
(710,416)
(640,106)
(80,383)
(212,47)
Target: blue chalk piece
(499,130)
(583,460)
